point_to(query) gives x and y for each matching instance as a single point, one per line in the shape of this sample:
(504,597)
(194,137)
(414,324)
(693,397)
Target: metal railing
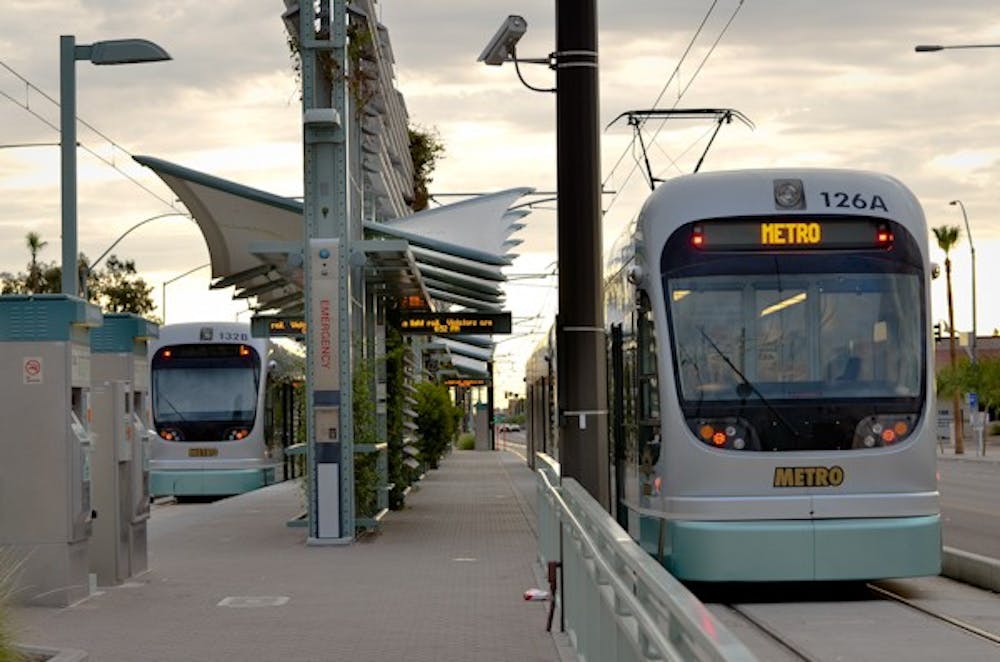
(617,603)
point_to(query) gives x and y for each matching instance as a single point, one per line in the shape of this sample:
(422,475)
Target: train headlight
(732,433)
(235,434)
(789,194)
(170,434)
(883,430)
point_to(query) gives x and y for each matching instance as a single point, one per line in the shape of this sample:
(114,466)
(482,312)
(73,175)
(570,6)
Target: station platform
(443,579)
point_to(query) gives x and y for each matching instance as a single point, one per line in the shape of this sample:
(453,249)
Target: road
(970,505)
(970,498)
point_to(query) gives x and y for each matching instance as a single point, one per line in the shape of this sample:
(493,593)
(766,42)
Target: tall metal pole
(326,205)
(67,144)
(972,251)
(163,288)
(582,370)
(490,403)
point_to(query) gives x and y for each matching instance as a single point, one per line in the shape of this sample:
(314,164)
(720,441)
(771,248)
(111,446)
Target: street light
(163,290)
(117,51)
(972,251)
(88,269)
(931,48)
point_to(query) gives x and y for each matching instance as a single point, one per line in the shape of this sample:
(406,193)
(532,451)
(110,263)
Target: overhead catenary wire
(680,94)
(670,79)
(27,107)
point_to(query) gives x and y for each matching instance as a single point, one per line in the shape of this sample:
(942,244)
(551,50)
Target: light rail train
(771,378)
(209,385)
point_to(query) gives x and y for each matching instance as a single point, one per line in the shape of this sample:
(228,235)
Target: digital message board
(444,324)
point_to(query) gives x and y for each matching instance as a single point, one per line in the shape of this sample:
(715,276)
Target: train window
(203,395)
(781,350)
(807,358)
(819,335)
(649,396)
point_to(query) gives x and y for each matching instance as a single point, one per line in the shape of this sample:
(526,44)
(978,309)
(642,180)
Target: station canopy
(442,259)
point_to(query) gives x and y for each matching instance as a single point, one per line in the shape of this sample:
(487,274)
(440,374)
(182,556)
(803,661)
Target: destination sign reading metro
(444,324)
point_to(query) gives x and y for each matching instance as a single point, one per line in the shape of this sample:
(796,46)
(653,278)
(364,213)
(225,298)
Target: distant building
(987,347)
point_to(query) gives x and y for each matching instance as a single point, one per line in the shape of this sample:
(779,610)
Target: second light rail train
(209,387)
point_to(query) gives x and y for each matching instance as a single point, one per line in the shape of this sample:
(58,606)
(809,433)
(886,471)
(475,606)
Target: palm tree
(947,236)
(35,245)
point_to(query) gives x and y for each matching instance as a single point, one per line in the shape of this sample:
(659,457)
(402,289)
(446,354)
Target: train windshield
(204,392)
(801,348)
(802,337)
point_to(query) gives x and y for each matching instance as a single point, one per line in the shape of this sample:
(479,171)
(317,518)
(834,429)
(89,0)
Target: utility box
(120,399)
(45,443)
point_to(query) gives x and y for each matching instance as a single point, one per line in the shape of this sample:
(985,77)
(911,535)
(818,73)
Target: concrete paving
(442,580)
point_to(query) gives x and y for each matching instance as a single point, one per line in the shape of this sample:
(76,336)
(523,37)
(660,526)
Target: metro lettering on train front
(808,476)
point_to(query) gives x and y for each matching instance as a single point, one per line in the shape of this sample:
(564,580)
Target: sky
(825,84)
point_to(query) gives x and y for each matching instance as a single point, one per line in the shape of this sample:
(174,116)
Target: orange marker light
(706,432)
(901,428)
(244,350)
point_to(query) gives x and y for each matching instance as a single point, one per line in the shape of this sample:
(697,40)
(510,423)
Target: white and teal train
(209,384)
(771,378)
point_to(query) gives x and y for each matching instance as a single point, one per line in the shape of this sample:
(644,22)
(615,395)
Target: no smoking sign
(32,370)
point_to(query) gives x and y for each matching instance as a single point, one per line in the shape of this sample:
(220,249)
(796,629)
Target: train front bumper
(796,550)
(208,482)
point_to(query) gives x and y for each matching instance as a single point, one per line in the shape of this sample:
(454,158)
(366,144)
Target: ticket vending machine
(45,504)
(119,370)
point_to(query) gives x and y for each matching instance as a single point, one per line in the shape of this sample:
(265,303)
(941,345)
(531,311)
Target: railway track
(877,621)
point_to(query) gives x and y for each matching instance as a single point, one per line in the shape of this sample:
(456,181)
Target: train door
(616,391)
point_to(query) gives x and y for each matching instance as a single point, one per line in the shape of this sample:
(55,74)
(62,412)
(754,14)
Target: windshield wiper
(746,387)
(176,411)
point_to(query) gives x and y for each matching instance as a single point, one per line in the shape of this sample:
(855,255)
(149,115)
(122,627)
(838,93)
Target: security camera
(503,42)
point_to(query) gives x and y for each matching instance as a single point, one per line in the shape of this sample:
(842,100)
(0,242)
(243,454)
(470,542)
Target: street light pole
(118,51)
(163,289)
(88,269)
(972,251)
(67,145)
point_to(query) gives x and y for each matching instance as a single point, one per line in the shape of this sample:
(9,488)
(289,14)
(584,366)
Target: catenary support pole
(583,443)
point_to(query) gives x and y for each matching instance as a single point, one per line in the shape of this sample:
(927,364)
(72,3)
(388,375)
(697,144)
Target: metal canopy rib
(391,263)
(255,242)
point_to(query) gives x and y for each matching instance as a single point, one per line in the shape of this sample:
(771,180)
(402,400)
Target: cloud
(833,84)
